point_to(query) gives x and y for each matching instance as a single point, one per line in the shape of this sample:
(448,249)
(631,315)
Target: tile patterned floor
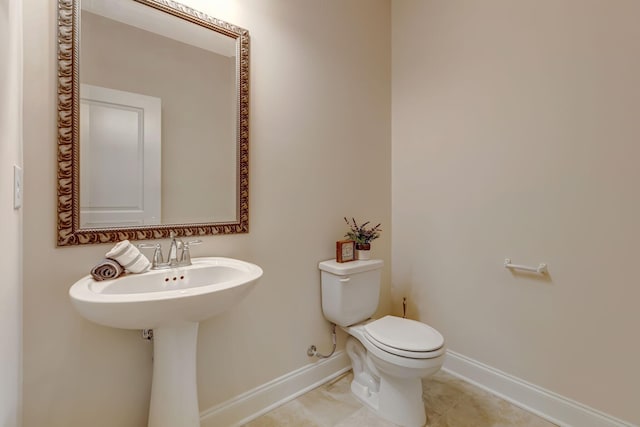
(449,402)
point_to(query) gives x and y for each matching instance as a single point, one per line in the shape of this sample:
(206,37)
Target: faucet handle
(157,253)
(185,259)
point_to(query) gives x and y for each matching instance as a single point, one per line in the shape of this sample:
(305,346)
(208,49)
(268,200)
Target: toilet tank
(350,290)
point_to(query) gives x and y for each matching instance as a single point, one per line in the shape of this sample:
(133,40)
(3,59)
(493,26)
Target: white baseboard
(546,404)
(253,403)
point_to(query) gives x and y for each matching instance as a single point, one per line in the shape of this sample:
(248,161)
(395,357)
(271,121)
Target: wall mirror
(153,122)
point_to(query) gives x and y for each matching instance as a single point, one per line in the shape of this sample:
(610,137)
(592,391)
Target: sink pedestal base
(174,391)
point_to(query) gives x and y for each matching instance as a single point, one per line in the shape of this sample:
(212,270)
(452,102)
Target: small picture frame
(345,250)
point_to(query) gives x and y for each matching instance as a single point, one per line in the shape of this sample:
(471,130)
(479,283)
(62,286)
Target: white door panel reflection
(120,152)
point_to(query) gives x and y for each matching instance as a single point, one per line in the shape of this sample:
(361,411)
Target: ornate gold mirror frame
(69,231)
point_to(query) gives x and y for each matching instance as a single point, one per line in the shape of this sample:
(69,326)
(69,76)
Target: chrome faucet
(173,259)
(176,244)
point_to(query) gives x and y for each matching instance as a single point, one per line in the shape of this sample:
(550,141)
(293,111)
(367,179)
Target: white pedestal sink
(171,302)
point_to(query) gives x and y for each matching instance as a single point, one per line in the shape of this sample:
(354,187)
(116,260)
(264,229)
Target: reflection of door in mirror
(120,158)
(197,89)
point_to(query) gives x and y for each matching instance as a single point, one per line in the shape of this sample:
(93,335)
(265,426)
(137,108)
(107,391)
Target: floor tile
(364,418)
(449,402)
(331,403)
(290,414)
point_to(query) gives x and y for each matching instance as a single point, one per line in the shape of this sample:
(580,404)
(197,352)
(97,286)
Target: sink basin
(172,302)
(164,297)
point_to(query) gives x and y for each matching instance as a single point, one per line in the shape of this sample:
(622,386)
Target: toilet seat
(404,337)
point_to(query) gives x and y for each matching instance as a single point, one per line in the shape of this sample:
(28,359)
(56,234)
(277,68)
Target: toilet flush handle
(345,279)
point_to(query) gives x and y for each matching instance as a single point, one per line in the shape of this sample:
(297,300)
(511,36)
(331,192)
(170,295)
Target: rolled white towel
(106,269)
(139,265)
(129,257)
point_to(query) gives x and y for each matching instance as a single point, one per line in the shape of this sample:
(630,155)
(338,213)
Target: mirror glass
(157,137)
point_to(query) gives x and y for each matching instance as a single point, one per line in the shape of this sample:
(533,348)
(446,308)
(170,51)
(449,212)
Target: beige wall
(10,219)
(516,134)
(197,92)
(320,147)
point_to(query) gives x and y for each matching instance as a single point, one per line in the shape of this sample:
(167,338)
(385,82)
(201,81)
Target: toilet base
(398,401)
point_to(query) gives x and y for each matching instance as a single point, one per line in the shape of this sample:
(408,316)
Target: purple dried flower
(360,233)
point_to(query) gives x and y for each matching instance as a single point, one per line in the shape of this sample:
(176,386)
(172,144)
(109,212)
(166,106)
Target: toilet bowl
(389,356)
(386,379)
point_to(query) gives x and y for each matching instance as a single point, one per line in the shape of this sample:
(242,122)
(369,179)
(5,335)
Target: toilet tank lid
(351,267)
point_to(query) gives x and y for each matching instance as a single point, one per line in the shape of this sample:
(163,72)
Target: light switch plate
(17,187)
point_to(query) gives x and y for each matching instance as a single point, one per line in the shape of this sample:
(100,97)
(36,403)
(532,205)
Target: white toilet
(389,356)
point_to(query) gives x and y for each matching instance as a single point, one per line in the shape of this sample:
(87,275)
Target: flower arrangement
(360,233)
